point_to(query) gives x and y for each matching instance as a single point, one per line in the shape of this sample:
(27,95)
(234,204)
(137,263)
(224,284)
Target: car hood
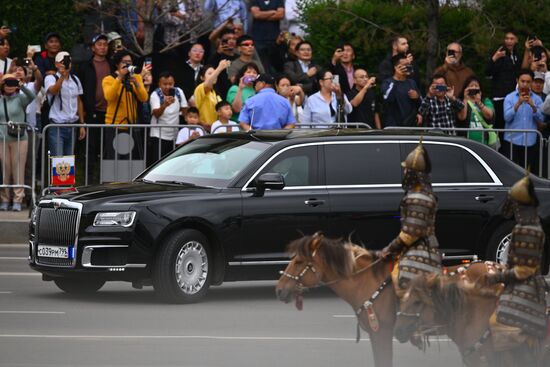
(128,192)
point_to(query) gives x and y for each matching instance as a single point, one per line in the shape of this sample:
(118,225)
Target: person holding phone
(362,97)
(440,108)
(341,65)
(480,113)
(502,67)
(239,92)
(167,104)
(453,69)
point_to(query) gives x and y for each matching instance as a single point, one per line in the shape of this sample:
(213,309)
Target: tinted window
(362,164)
(474,170)
(297,165)
(447,166)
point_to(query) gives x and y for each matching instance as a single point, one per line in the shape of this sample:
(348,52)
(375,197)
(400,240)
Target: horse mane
(337,254)
(445,293)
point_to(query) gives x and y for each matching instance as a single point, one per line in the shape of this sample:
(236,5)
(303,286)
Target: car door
(469,193)
(363,179)
(277,217)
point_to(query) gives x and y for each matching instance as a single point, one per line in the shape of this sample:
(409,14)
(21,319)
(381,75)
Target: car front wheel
(182,270)
(78,286)
(499,244)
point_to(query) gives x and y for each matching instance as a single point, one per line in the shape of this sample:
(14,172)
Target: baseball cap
(50,35)
(266,78)
(111,36)
(98,37)
(538,75)
(60,55)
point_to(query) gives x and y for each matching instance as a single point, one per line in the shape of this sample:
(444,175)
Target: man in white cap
(64,91)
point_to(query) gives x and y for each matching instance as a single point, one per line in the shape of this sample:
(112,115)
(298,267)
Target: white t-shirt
(5,65)
(185,133)
(171,116)
(224,129)
(68,95)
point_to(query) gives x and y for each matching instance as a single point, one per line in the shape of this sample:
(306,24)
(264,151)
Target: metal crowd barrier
(331,125)
(540,138)
(134,166)
(231,128)
(21,127)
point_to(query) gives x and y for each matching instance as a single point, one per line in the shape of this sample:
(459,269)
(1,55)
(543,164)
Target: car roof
(320,134)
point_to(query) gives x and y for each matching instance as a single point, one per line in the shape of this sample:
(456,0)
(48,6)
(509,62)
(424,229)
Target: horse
(356,275)
(461,308)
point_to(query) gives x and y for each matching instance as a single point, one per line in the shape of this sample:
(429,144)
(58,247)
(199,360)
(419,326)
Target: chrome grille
(57,224)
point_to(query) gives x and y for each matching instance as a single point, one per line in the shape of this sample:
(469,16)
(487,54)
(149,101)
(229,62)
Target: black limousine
(223,207)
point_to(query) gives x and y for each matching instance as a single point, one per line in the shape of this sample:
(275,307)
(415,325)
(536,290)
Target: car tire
(182,268)
(78,286)
(497,249)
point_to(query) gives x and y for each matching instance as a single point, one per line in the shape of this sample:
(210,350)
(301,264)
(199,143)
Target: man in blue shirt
(266,110)
(522,110)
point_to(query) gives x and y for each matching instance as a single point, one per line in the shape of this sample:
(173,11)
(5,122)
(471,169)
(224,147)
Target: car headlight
(114,219)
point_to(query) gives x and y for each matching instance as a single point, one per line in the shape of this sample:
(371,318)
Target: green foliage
(35,18)
(369,25)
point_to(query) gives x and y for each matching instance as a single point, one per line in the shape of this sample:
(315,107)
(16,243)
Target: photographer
(440,107)
(479,112)
(225,50)
(342,65)
(13,141)
(362,97)
(241,91)
(401,96)
(63,92)
(167,104)
(454,71)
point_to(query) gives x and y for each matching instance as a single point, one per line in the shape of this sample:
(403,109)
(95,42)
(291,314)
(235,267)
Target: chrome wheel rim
(191,267)
(502,249)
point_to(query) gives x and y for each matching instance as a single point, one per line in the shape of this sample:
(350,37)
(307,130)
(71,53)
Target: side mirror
(273,181)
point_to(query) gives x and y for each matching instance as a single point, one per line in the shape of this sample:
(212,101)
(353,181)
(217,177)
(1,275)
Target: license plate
(53,251)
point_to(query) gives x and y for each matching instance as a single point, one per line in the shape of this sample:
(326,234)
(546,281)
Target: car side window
(475,172)
(447,165)
(297,165)
(362,164)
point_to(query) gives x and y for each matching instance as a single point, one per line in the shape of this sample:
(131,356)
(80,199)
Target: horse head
(431,300)
(315,260)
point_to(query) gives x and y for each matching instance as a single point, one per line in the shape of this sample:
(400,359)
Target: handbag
(13,130)
(493,141)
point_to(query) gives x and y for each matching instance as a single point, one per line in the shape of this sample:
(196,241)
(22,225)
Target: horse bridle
(298,278)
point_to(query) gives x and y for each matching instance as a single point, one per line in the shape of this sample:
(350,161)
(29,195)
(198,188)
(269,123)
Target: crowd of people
(250,73)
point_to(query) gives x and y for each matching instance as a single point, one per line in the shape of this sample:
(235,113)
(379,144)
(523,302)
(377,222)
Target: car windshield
(206,162)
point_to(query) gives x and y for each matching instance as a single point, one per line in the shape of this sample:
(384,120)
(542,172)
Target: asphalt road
(238,324)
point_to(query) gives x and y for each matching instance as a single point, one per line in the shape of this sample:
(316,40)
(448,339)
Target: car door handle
(484,198)
(314,202)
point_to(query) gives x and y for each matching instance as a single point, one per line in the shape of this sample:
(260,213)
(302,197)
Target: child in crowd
(225,112)
(188,132)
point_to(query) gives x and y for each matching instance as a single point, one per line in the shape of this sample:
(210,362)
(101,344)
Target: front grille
(57,225)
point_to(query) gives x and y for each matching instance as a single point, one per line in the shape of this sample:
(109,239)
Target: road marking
(204,337)
(13,258)
(17,274)
(6,292)
(343,316)
(34,312)
(14,245)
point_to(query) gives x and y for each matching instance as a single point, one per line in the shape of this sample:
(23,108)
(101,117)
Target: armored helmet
(523,192)
(418,159)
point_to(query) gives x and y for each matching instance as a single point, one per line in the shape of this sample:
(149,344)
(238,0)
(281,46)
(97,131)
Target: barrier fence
(15,154)
(120,152)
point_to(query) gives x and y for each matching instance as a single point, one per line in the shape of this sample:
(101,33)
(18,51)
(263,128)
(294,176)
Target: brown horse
(459,308)
(355,275)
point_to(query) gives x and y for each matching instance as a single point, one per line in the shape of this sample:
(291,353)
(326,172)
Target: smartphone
(67,62)
(441,88)
(148,61)
(336,79)
(35,48)
(172,92)
(409,69)
(473,92)
(451,53)
(249,79)
(531,37)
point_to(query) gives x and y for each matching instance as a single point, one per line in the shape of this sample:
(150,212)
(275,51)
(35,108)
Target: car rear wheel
(499,244)
(182,270)
(78,286)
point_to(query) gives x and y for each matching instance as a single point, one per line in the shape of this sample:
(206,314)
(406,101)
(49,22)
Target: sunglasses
(247,44)
(11,83)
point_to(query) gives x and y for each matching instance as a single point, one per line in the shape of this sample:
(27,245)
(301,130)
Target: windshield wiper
(174,182)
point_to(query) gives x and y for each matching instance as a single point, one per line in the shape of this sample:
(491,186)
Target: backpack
(46,106)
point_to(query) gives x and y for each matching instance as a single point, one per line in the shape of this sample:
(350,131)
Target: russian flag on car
(63,170)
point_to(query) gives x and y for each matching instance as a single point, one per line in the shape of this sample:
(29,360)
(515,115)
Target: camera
(11,83)
(66,61)
(172,92)
(131,69)
(441,88)
(473,92)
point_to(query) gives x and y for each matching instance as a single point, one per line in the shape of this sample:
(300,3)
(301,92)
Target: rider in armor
(416,247)
(522,302)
